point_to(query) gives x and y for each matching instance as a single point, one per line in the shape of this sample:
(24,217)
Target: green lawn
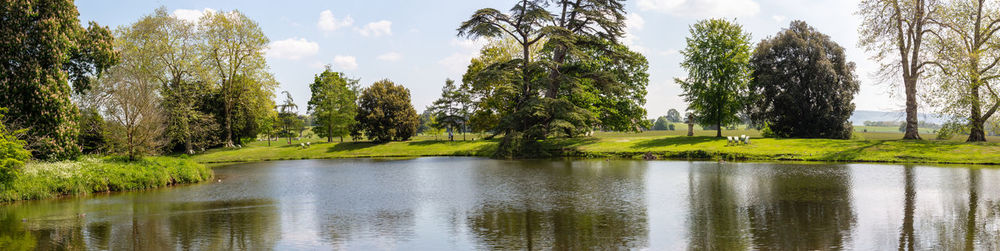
(866,147)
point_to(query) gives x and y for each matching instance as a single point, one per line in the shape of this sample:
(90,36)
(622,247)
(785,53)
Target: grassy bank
(868,147)
(40,180)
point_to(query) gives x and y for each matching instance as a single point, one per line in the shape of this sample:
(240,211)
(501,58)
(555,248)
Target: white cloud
(390,56)
(457,62)
(633,23)
(702,8)
(317,65)
(328,22)
(669,52)
(345,62)
(191,15)
(779,19)
(292,49)
(376,29)
(468,44)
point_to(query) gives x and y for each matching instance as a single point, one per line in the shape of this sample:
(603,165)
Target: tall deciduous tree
(234,51)
(673,116)
(894,30)
(803,86)
(966,49)
(268,125)
(130,90)
(451,110)
(42,49)
(717,59)
(333,104)
(385,113)
(174,44)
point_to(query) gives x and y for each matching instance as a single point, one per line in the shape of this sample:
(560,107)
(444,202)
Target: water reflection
(567,206)
(76,224)
(717,218)
(906,238)
(470,203)
(801,207)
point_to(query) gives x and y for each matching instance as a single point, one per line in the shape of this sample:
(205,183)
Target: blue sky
(413,43)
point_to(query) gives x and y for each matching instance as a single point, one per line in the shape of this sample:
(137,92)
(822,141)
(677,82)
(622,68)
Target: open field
(40,180)
(866,147)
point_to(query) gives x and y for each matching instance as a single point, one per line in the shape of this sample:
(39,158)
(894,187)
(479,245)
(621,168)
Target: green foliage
(268,125)
(609,81)
(93,132)
(717,59)
(333,104)
(385,113)
(965,48)
(673,116)
(766,131)
(803,86)
(245,88)
(42,49)
(42,180)
(426,122)
(451,110)
(173,45)
(12,153)
(581,79)
(661,123)
(288,118)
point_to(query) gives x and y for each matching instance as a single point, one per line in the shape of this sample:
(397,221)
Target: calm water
(470,203)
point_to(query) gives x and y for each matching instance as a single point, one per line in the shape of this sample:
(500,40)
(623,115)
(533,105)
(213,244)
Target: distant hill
(860,116)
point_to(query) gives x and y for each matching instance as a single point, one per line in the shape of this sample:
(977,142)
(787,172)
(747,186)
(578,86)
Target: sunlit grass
(872,146)
(39,180)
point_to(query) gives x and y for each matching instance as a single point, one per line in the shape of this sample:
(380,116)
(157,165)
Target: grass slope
(868,147)
(322,150)
(40,180)
(793,149)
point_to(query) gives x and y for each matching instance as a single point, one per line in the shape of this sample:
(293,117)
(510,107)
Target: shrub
(766,132)
(12,153)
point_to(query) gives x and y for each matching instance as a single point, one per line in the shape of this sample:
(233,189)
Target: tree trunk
(718,130)
(912,132)
(976,120)
(229,127)
(559,56)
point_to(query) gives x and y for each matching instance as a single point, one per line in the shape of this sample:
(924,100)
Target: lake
(472,203)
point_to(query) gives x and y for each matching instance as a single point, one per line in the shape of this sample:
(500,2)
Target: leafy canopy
(803,86)
(717,59)
(385,113)
(333,104)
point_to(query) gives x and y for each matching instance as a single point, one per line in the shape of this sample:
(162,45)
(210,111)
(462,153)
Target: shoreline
(663,148)
(96,175)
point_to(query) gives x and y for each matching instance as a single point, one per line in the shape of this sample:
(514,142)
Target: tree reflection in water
(573,205)
(218,225)
(470,203)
